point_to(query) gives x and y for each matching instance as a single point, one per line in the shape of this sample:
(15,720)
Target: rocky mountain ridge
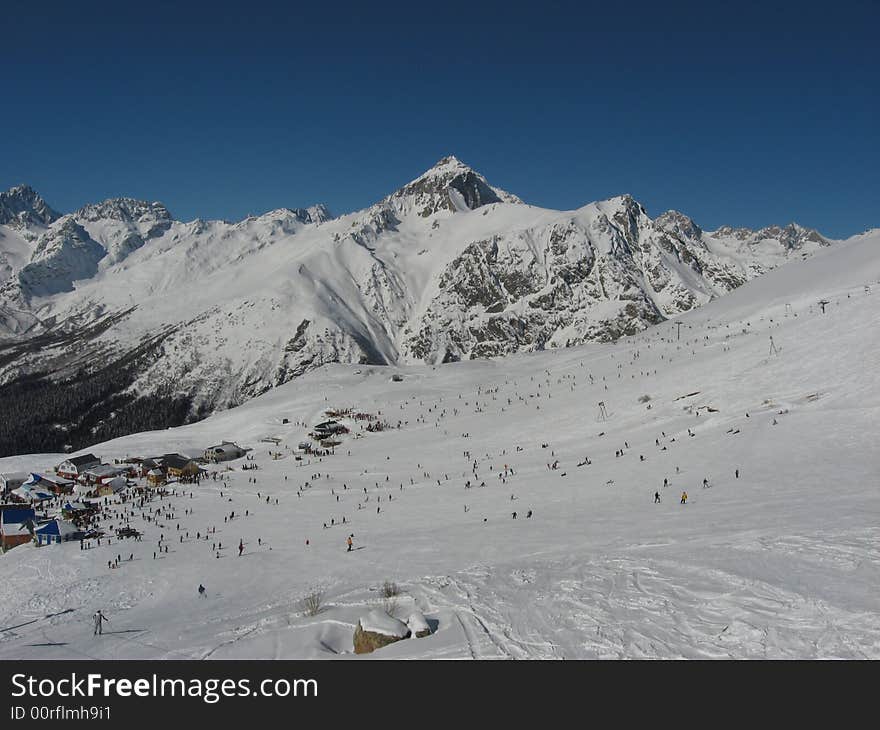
(446,268)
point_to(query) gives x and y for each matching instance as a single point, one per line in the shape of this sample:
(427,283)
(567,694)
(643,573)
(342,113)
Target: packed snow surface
(777,556)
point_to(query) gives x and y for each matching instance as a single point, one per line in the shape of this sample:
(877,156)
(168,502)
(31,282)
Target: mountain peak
(127,210)
(792,236)
(450,161)
(450,185)
(679,224)
(318,213)
(21,206)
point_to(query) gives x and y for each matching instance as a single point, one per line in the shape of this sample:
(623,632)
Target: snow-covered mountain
(446,268)
(22,206)
(775,556)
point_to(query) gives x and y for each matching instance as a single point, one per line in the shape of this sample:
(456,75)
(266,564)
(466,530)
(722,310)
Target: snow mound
(379,622)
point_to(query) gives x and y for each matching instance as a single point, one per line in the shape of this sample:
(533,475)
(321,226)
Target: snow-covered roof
(105,470)
(30,492)
(117,483)
(13,521)
(57,527)
(36,478)
(225,447)
(82,460)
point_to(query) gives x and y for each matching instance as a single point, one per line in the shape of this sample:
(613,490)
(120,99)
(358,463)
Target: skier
(99,622)
(656,497)
(529,514)
(240,547)
(201,590)
(737,473)
(684,497)
(349,543)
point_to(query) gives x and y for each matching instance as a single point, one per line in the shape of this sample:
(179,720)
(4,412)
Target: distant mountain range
(134,315)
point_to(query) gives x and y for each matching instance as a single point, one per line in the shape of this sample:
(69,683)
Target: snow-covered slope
(776,558)
(446,268)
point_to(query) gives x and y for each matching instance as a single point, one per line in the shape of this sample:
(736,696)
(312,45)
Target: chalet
(56,531)
(74,467)
(12,480)
(177,465)
(76,509)
(155,477)
(112,486)
(224,451)
(56,484)
(102,473)
(148,465)
(16,526)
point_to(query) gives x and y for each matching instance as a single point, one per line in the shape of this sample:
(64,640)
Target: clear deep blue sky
(748,114)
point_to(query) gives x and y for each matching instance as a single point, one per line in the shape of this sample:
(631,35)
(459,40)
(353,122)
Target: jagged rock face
(21,206)
(448,186)
(791,237)
(603,274)
(123,225)
(553,286)
(286,220)
(313,214)
(64,254)
(375,221)
(680,226)
(126,210)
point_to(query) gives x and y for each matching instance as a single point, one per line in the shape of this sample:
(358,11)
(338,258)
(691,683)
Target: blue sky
(750,114)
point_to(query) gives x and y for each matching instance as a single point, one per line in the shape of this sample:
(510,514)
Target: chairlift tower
(773,349)
(603,414)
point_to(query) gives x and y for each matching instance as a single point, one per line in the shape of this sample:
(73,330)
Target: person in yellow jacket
(684,497)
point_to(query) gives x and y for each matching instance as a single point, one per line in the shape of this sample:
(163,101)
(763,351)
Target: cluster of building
(88,477)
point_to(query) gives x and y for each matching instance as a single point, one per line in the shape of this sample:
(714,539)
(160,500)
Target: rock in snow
(378,629)
(418,625)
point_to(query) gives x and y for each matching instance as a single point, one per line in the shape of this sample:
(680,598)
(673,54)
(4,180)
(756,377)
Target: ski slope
(781,562)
